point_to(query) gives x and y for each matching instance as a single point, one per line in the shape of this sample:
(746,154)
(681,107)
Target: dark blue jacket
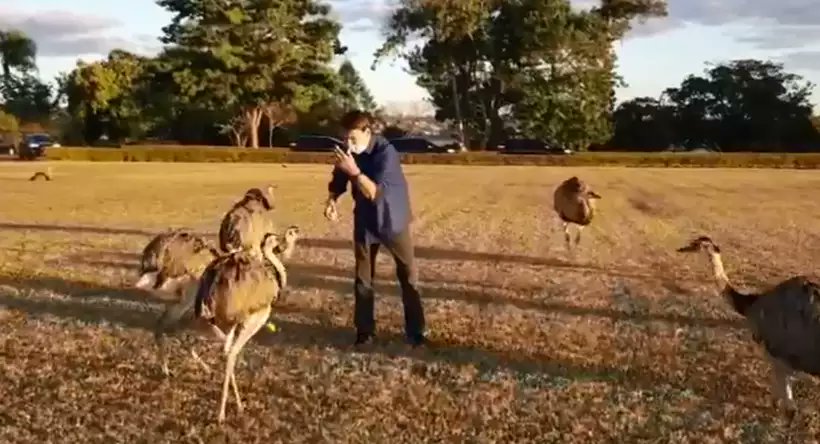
(388,215)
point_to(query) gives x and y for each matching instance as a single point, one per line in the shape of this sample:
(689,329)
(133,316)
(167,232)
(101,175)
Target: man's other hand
(331,213)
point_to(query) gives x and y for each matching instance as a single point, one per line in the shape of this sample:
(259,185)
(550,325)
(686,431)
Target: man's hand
(346,163)
(330,210)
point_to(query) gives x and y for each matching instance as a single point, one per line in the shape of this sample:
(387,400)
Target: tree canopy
(354,94)
(243,55)
(537,67)
(736,106)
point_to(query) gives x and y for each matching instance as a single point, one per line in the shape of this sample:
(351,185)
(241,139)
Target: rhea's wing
(786,319)
(230,230)
(151,253)
(206,287)
(196,253)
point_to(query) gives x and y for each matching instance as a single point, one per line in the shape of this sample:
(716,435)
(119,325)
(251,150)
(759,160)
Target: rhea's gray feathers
(245,224)
(786,321)
(573,201)
(174,254)
(240,283)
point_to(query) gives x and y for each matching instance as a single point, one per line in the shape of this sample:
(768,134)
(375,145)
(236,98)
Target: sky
(655,55)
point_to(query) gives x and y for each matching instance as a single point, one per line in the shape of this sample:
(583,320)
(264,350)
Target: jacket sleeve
(388,169)
(338,183)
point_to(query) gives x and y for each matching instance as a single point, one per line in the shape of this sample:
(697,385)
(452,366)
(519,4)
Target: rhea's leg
(567,237)
(229,339)
(170,320)
(250,327)
(579,228)
(781,384)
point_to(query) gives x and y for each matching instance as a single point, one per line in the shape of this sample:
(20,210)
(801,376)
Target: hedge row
(284,155)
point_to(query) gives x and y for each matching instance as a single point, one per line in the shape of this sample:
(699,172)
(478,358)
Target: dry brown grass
(625,342)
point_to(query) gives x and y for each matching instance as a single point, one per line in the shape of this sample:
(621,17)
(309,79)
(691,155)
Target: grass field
(626,341)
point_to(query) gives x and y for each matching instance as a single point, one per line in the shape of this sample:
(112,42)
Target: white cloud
(64,33)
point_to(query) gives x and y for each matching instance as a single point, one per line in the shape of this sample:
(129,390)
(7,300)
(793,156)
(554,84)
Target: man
(381,217)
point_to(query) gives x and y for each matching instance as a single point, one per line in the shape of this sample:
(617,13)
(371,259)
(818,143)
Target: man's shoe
(364,339)
(416,341)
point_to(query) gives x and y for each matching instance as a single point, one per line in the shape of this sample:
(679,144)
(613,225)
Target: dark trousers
(401,247)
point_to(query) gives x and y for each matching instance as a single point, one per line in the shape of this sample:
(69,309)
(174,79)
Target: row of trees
(238,70)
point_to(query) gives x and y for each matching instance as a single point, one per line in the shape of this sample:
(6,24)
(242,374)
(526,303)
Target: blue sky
(655,55)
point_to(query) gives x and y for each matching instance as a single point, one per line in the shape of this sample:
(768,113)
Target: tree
(535,66)
(355,94)
(745,104)
(17,52)
(103,97)
(23,94)
(31,100)
(643,124)
(242,55)
(277,114)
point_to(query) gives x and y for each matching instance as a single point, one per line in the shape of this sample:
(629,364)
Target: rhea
(574,203)
(247,222)
(184,293)
(785,320)
(235,295)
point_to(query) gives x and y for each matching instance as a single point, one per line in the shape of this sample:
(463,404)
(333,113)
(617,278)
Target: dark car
(316,143)
(34,145)
(418,145)
(531,146)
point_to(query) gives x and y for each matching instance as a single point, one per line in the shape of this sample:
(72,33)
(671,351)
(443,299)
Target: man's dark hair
(356,120)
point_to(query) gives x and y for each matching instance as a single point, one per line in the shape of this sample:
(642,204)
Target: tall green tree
(17,52)
(103,97)
(22,93)
(30,99)
(745,105)
(242,55)
(355,93)
(535,66)
(643,124)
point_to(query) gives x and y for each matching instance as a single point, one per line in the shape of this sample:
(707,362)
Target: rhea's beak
(688,249)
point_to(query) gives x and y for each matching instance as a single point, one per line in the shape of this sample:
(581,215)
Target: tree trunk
(253,117)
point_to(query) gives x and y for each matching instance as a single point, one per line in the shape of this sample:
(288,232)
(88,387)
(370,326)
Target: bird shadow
(422,252)
(312,335)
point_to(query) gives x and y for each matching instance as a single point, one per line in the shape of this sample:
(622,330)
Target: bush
(164,153)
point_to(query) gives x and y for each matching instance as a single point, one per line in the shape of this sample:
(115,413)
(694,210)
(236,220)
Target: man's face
(357,140)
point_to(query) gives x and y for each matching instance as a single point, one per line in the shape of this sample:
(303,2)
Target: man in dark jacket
(381,217)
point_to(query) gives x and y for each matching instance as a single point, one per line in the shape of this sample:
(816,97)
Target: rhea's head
(270,243)
(700,243)
(263,197)
(292,234)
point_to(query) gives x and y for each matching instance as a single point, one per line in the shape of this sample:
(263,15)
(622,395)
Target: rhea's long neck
(277,265)
(740,302)
(721,280)
(287,251)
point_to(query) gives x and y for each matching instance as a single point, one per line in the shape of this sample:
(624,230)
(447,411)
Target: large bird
(785,320)
(171,265)
(235,295)
(172,257)
(574,202)
(244,226)
(185,295)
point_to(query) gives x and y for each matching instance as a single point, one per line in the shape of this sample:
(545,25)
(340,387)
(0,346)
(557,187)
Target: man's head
(357,130)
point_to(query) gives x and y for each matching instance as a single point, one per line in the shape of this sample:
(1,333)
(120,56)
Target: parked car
(531,146)
(418,145)
(34,145)
(316,143)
